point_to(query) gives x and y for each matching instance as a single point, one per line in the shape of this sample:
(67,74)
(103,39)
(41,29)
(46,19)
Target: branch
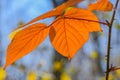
(109,40)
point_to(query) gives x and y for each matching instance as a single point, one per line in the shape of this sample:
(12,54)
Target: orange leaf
(101,5)
(55,12)
(68,33)
(25,41)
(87,18)
(14,32)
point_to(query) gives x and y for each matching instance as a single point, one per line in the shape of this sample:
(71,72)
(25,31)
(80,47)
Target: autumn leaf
(101,5)
(2,74)
(68,33)
(65,76)
(55,12)
(87,17)
(13,33)
(25,41)
(32,76)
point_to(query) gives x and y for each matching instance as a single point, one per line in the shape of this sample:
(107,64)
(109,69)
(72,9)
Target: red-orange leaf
(69,32)
(25,41)
(55,12)
(101,5)
(87,18)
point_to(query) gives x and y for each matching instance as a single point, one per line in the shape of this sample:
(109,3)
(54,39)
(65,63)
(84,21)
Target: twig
(109,40)
(86,20)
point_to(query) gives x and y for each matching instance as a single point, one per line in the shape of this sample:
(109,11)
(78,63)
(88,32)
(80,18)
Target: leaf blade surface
(68,33)
(25,41)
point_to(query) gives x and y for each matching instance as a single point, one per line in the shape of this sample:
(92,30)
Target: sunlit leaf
(55,12)
(13,33)
(88,19)
(32,76)
(118,72)
(2,74)
(68,33)
(67,9)
(65,76)
(57,65)
(25,41)
(94,55)
(101,5)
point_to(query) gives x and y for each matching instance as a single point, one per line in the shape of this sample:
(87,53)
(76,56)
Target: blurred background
(44,63)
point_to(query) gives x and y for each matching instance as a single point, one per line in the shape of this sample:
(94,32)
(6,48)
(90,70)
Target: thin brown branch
(87,20)
(109,41)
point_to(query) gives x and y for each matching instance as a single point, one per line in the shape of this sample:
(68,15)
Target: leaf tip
(5,66)
(13,33)
(69,58)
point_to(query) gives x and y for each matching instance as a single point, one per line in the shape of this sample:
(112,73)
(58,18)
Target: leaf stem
(86,20)
(109,41)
